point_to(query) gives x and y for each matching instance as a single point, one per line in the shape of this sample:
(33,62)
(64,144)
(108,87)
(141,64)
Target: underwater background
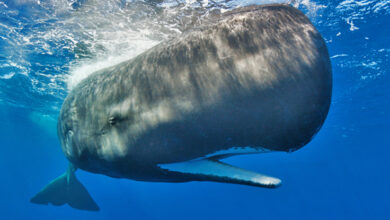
(48,46)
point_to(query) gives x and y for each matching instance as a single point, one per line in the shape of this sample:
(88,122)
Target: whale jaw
(214,170)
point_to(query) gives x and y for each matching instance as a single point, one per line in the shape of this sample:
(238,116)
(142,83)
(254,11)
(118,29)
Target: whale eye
(112,120)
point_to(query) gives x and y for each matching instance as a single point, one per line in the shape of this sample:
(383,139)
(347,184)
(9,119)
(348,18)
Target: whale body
(256,79)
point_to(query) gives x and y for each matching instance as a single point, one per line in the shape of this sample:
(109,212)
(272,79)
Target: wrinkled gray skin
(258,76)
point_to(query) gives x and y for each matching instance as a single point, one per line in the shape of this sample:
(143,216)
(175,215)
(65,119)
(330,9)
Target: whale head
(94,127)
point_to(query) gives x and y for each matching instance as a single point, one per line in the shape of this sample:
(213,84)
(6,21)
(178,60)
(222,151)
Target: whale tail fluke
(66,189)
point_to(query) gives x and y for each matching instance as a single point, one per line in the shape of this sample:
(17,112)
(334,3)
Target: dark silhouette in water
(256,80)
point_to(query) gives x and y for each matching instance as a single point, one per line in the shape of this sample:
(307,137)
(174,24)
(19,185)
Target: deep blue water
(45,46)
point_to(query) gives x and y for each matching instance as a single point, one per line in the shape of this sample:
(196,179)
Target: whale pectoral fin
(213,170)
(66,189)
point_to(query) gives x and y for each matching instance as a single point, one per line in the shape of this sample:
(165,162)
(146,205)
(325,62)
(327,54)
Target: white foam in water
(7,76)
(112,32)
(81,70)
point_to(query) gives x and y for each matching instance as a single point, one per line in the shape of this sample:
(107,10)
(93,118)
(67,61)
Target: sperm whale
(257,79)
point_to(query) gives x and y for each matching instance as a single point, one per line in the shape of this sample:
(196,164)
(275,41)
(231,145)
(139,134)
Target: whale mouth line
(222,154)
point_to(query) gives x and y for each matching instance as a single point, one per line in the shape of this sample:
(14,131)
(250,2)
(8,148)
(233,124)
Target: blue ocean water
(47,46)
